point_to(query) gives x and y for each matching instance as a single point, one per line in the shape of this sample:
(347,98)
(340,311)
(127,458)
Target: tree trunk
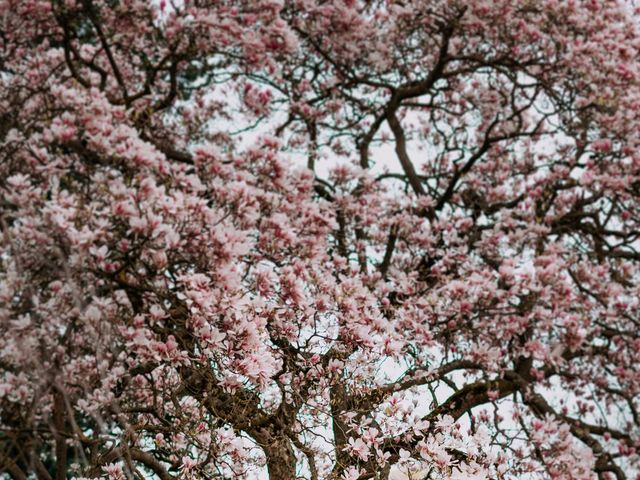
(281,459)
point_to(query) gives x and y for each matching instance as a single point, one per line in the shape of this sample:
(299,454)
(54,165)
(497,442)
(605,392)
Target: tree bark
(281,459)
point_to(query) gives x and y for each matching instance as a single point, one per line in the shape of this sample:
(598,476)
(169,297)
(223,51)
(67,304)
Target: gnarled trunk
(281,459)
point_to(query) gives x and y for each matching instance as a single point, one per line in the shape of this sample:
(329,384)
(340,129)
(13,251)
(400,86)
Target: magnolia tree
(323,239)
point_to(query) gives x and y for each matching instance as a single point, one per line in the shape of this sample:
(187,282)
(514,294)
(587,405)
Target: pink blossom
(359,448)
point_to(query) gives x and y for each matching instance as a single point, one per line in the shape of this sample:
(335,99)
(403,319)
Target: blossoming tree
(319,239)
